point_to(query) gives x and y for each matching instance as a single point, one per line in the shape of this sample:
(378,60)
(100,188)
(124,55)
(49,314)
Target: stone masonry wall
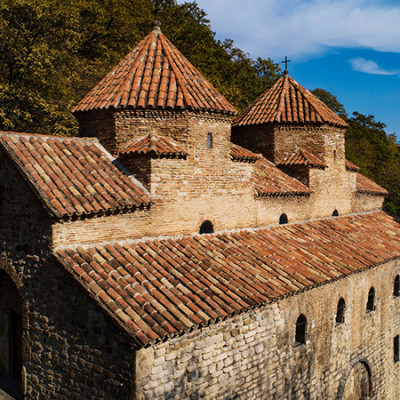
(100,124)
(366,202)
(258,138)
(253,356)
(70,350)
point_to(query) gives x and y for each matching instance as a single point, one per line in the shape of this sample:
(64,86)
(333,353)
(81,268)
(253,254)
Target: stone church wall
(70,349)
(366,202)
(254,356)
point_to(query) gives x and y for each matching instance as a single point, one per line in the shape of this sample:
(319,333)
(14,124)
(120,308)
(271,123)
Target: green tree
(377,154)
(52,52)
(331,101)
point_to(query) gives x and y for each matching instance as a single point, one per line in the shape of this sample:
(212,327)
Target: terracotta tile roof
(155,75)
(351,167)
(271,181)
(303,157)
(365,185)
(155,145)
(241,154)
(163,287)
(72,176)
(288,102)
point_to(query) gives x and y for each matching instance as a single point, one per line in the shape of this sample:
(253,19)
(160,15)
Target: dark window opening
(10,338)
(206,227)
(283,219)
(335,213)
(210,140)
(334,155)
(301,326)
(341,308)
(396,349)
(371,300)
(396,289)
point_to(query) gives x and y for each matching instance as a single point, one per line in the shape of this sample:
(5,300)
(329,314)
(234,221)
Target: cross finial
(286,63)
(156,23)
(156,10)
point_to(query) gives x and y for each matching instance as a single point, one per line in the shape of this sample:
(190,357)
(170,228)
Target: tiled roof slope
(241,154)
(72,176)
(351,167)
(163,287)
(365,185)
(156,145)
(288,102)
(155,75)
(305,158)
(271,181)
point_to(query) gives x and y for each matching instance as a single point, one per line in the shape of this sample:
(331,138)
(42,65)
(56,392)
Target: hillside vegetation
(52,52)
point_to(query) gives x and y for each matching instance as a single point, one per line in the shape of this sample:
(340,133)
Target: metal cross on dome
(156,10)
(286,62)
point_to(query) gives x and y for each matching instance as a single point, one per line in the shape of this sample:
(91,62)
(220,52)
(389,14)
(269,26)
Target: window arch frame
(206,227)
(210,140)
(283,219)
(340,311)
(371,302)
(396,286)
(300,337)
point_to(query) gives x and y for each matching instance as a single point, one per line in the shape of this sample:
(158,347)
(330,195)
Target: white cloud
(369,67)
(300,28)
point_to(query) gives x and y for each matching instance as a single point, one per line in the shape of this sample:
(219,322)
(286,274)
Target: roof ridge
(87,139)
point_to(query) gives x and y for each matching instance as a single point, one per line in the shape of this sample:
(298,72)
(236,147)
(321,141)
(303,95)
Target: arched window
(335,213)
(341,308)
(301,327)
(206,227)
(283,219)
(396,349)
(396,289)
(210,140)
(371,300)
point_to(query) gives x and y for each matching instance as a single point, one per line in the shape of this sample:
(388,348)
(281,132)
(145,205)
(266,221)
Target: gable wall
(70,350)
(253,356)
(366,202)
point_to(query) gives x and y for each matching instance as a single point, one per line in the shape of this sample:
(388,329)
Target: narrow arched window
(283,219)
(341,308)
(396,349)
(206,227)
(301,327)
(210,140)
(396,289)
(371,300)
(335,213)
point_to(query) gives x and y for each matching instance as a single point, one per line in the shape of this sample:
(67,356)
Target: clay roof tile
(287,102)
(159,287)
(155,75)
(72,176)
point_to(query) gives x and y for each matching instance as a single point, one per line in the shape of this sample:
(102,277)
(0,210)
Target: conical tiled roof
(288,102)
(155,75)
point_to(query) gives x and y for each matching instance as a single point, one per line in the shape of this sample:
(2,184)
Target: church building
(178,251)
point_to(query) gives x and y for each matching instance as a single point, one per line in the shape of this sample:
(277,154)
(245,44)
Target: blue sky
(349,47)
